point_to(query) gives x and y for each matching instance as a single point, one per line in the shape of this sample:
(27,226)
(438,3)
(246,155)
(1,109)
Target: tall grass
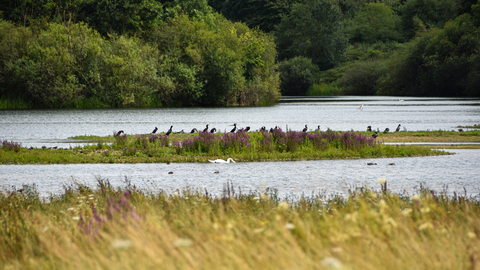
(123,228)
(323,89)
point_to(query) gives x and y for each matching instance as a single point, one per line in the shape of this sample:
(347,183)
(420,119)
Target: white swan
(222,161)
(360,108)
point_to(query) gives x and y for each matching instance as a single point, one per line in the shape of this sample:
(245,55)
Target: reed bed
(241,146)
(125,228)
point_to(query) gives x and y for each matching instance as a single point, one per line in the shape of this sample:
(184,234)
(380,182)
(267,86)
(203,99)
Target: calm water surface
(459,172)
(53,128)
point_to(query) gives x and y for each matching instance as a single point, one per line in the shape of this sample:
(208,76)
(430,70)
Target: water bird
(318,128)
(222,160)
(169,131)
(247,129)
(360,108)
(386,130)
(460,130)
(213,130)
(375,135)
(305,128)
(216,172)
(155,130)
(181,132)
(170,172)
(263,128)
(194,130)
(398,128)
(401,100)
(234,128)
(118,133)
(369,128)
(391,164)
(206,129)
(370,163)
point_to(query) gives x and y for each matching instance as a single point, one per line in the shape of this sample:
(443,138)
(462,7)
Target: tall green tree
(375,23)
(264,14)
(121,16)
(312,30)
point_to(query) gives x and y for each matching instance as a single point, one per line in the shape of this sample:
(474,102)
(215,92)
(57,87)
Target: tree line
(367,47)
(94,53)
(85,53)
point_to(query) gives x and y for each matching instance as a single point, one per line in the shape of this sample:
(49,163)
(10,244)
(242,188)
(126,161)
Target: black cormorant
(155,130)
(206,129)
(194,130)
(213,130)
(398,128)
(234,128)
(169,131)
(375,135)
(369,128)
(305,128)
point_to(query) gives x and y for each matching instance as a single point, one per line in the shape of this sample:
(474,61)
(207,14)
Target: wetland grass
(125,228)
(241,146)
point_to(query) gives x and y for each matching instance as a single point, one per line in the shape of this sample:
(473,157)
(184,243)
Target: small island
(274,145)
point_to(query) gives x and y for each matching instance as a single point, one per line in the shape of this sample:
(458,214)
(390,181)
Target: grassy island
(107,228)
(241,146)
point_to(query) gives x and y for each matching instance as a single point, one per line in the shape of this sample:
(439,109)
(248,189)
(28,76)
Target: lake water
(53,128)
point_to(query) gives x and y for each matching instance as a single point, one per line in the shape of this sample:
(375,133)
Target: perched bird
(386,130)
(375,135)
(213,130)
(398,128)
(206,129)
(169,131)
(181,132)
(263,128)
(460,130)
(247,128)
(318,128)
(222,160)
(369,128)
(360,108)
(194,130)
(155,130)
(305,128)
(118,133)
(234,128)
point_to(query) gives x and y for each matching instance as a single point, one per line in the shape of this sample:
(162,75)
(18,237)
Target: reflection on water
(455,172)
(54,127)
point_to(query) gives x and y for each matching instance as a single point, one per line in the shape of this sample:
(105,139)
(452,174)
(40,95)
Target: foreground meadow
(124,228)
(241,146)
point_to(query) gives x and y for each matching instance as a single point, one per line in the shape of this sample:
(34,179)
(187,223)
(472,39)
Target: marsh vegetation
(241,146)
(105,227)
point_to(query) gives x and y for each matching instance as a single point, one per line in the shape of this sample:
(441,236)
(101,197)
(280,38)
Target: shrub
(297,75)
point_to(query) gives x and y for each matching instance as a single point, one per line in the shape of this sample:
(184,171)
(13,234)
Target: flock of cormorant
(246,129)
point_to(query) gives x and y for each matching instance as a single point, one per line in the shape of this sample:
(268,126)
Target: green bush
(297,75)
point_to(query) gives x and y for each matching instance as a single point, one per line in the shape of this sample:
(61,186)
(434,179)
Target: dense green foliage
(312,30)
(181,61)
(297,75)
(99,53)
